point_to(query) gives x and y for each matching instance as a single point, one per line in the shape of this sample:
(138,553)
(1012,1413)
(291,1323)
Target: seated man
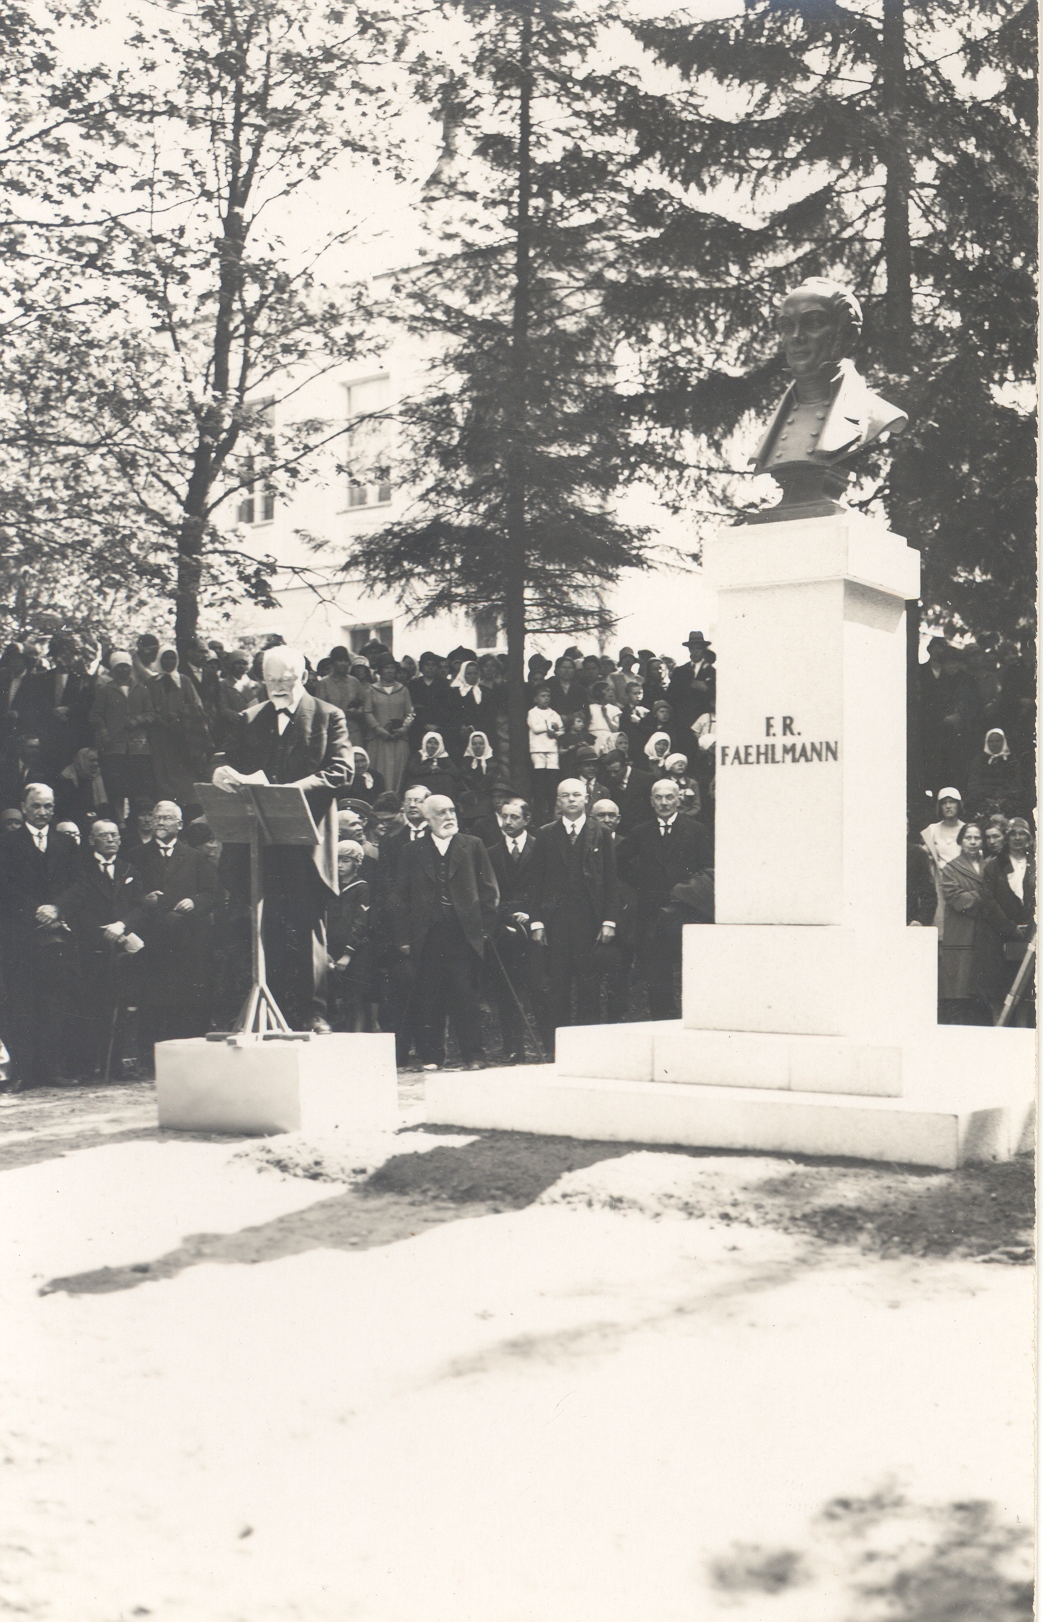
(102,909)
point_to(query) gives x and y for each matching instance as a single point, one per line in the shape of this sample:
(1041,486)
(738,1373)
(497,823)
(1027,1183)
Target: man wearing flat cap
(693,687)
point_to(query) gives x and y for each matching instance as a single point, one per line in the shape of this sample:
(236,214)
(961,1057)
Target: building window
(258,503)
(255,509)
(359,635)
(486,622)
(369,471)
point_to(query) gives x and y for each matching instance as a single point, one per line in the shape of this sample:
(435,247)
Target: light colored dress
(388,754)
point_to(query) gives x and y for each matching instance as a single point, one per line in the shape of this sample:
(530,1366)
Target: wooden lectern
(258,815)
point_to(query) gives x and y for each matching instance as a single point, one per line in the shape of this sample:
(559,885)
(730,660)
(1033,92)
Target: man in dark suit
(292,738)
(101,907)
(693,687)
(443,911)
(511,855)
(575,903)
(178,889)
(662,853)
(625,784)
(400,1011)
(36,865)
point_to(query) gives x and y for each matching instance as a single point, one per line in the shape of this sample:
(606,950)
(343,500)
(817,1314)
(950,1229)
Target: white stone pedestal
(263,1087)
(809,1008)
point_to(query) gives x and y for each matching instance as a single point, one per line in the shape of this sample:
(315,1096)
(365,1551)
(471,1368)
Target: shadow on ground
(983,1211)
(900,1561)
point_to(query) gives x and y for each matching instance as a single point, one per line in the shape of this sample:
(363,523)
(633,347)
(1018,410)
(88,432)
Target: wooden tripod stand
(259,814)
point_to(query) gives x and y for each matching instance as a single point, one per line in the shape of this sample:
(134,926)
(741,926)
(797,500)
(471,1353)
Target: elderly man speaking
(292,738)
(443,910)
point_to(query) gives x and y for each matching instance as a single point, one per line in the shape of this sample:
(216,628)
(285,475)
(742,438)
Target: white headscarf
(482,760)
(367,775)
(463,686)
(650,746)
(175,674)
(442,750)
(997,754)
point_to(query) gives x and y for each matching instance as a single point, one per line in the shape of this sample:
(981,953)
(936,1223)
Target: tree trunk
(515,571)
(898,256)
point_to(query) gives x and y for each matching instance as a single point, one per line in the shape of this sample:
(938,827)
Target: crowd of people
(451,894)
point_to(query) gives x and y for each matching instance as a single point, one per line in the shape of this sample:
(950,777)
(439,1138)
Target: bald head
(606,812)
(441,814)
(572,797)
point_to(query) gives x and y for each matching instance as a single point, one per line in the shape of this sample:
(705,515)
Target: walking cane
(112,1039)
(1021,980)
(525,1018)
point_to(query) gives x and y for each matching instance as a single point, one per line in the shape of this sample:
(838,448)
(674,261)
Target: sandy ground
(457,1377)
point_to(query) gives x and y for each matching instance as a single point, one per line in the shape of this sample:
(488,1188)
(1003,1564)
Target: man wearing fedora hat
(693,687)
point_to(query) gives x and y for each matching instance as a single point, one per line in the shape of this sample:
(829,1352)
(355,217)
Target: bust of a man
(828,413)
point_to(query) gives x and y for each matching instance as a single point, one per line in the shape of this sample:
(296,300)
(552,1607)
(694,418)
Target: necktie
(515,850)
(664,829)
(573,833)
(108,869)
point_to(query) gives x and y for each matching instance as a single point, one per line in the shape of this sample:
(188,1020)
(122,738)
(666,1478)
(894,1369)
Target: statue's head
(819,323)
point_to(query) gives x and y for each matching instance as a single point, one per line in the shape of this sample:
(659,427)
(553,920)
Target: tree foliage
(513,453)
(160,263)
(891,146)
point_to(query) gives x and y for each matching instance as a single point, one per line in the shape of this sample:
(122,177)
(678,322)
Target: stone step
(942,1127)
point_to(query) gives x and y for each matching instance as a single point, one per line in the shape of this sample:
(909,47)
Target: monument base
(318,1086)
(976,1101)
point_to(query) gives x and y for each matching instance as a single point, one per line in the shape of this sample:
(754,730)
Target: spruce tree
(892,147)
(511,456)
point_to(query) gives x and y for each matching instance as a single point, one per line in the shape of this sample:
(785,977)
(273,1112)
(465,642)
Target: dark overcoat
(473,890)
(551,863)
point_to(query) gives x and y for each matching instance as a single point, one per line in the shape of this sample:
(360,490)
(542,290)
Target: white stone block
(918,1132)
(846,546)
(623,1051)
(811,981)
(807,1064)
(318,1086)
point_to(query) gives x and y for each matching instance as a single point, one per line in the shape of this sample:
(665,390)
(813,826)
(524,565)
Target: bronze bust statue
(828,413)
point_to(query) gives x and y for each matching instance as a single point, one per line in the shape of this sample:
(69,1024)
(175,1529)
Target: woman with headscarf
(366,784)
(964,947)
(434,768)
(80,791)
(676,768)
(658,748)
(388,712)
(995,781)
(471,706)
(661,718)
(480,775)
(178,736)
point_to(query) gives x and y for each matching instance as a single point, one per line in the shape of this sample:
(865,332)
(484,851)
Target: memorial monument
(809,1008)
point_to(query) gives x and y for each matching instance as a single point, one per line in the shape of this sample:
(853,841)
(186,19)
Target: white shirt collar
(39,835)
(442,845)
(578,824)
(668,822)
